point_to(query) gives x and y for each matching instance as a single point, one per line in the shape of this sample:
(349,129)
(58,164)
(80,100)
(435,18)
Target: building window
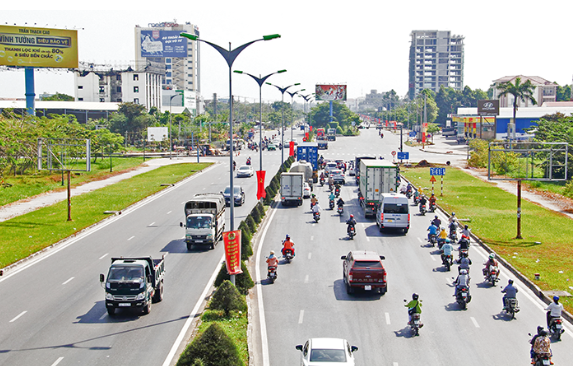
(190,75)
(119,89)
(80,99)
(136,89)
(136,100)
(168,60)
(80,87)
(168,74)
(118,77)
(101,100)
(167,67)
(101,89)
(135,77)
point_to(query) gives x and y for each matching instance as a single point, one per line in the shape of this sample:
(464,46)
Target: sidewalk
(49,198)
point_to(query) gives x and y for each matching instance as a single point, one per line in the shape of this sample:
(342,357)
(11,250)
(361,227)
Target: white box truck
(376,177)
(292,188)
(204,219)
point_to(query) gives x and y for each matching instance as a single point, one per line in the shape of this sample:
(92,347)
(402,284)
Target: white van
(393,212)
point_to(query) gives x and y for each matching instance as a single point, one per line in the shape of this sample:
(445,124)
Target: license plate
(368,287)
(464,295)
(124,304)
(416,322)
(546,362)
(390,220)
(198,241)
(558,326)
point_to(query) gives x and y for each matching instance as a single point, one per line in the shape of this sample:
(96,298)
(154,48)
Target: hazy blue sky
(362,43)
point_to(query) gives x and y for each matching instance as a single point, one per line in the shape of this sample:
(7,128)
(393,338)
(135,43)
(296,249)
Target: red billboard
(330,92)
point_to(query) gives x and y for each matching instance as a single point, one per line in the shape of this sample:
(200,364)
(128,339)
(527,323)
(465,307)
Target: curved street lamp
(283,90)
(292,108)
(230,55)
(260,80)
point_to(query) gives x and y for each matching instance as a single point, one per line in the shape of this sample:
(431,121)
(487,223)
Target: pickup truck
(364,270)
(133,283)
(204,219)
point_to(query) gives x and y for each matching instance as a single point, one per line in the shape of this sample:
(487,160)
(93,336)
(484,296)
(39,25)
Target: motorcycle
(464,253)
(463,296)
(540,359)
(408,194)
(491,275)
(417,199)
(312,205)
(441,242)
(351,232)
(321,182)
(433,239)
(316,216)
(511,307)
(337,192)
(432,207)
(556,328)
(288,255)
(448,261)
(453,235)
(331,204)
(415,323)
(422,210)
(271,273)
(340,210)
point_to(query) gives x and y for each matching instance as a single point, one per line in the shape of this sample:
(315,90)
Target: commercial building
(544,91)
(436,60)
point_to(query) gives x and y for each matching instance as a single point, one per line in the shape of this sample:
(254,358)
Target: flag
(261,193)
(232,240)
(291,146)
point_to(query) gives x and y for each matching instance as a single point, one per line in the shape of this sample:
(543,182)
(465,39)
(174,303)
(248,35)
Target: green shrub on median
(243,281)
(228,298)
(213,347)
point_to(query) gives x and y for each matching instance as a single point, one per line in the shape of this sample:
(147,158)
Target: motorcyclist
(403,189)
(464,263)
(554,310)
(432,200)
(350,223)
(540,345)
(416,195)
(462,280)
(510,292)
(249,161)
(331,199)
(433,230)
(409,188)
(447,250)
(436,221)
(313,199)
(464,243)
(442,236)
(414,307)
(330,182)
(234,165)
(453,227)
(316,209)
(288,244)
(422,202)
(322,177)
(466,231)
(490,262)
(272,260)
(340,202)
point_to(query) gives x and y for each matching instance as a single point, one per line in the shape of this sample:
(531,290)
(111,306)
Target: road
(309,298)
(53,310)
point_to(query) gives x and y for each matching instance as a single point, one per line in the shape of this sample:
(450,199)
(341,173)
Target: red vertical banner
(306,136)
(310,128)
(261,193)
(291,148)
(232,240)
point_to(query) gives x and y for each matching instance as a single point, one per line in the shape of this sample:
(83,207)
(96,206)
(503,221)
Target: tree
(564,93)
(214,348)
(61,97)
(228,298)
(520,91)
(340,113)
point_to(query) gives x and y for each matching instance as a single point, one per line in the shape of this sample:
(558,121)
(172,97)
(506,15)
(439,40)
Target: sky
(364,44)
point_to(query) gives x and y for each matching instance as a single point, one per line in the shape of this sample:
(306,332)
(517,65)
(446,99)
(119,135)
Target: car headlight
(209,236)
(108,296)
(140,296)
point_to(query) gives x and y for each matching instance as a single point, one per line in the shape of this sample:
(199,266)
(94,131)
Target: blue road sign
(437,171)
(412,134)
(403,155)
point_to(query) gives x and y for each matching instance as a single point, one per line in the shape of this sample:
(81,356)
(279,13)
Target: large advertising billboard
(38,47)
(162,43)
(330,92)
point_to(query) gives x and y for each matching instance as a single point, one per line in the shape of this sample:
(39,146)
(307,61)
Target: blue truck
(308,151)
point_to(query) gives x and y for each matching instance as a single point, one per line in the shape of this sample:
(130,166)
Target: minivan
(393,212)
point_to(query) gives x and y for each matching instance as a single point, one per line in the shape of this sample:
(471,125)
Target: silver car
(245,171)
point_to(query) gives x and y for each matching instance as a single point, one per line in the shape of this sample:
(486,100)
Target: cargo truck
(204,219)
(376,177)
(292,188)
(304,167)
(357,166)
(308,152)
(331,134)
(133,283)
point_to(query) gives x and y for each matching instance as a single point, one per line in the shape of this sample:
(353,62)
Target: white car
(326,351)
(295,141)
(245,171)
(330,166)
(306,192)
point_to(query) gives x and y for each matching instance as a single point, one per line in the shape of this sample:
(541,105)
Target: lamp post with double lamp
(292,109)
(230,55)
(170,144)
(283,90)
(308,99)
(260,80)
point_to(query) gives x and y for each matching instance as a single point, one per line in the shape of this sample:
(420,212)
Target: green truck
(133,283)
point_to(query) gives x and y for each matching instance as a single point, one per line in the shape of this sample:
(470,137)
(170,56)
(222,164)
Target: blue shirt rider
(433,230)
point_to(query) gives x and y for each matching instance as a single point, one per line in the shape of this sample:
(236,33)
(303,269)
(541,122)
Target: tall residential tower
(436,59)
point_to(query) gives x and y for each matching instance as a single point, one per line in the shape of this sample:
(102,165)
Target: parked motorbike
(511,307)
(491,275)
(423,210)
(316,216)
(351,232)
(463,296)
(271,273)
(556,328)
(340,210)
(288,255)
(331,204)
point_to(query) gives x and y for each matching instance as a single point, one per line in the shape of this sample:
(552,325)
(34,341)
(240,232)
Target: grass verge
(32,232)
(235,326)
(28,185)
(493,219)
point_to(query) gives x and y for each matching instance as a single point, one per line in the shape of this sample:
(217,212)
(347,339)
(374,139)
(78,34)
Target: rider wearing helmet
(272,261)
(466,231)
(553,310)
(288,245)
(490,262)
(436,221)
(350,223)
(463,280)
(432,199)
(414,307)
(510,292)
(540,345)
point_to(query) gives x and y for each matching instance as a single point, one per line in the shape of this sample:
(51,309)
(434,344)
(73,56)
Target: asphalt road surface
(309,299)
(53,312)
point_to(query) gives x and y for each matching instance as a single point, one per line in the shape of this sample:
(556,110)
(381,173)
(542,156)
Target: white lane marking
(204,188)
(387,315)
(151,223)
(58,361)
(103,315)
(474,321)
(309,255)
(169,212)
(71,278)
(394,363)
(432,257)
(363,225)
(420,240)
(130,238)
(300,317)
(367,238)
(306,279)
(19,315)
(103,256)
(312,237)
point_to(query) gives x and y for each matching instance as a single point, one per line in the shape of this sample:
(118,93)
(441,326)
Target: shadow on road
(454,307)
(340,294)
(179,247)
(404,332)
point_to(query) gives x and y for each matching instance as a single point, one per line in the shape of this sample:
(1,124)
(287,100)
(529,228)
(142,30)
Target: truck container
(322,142)
(133,283)
(304,167)
(331,134)
(292,188)
(308,151)
(376,177)
(357,166)
(204,219)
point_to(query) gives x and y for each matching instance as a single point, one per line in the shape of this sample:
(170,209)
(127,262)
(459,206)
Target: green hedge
(243,281)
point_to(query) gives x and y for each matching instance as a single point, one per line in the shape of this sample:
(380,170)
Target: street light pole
(260,80)
(170,145)
(283,90)
(230,56)
(292,109)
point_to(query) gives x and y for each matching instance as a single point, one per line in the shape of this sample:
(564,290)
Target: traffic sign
(437,171)
(412,134)
(433,179)
(393,153)
(403,155)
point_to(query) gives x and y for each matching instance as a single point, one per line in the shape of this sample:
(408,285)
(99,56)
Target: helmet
(466,227)
(543,333)
(436,216)
(415,296)
(492,256)
(287,236)
(539,329)
(463,272)
(453,214)
(313,195)
(432,194)
(272,252)
(555,298)
(443,228)
(351,216)
(510,282)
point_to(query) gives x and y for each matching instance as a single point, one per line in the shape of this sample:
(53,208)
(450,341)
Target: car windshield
(396,208)
(331,165)
(199,222)
(228,190)
(335,172)
(367,264)
(244,168)
(125,273)
(327,355)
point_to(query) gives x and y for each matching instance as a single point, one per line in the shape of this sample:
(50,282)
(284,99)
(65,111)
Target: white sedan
(306,191)
(326,351)
(245,171)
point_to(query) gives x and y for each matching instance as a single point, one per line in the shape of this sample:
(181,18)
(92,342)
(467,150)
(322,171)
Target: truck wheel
(147,308)
(159,293)
(405,231)
(189,246)
(349,289)
(111,311)
(212,245)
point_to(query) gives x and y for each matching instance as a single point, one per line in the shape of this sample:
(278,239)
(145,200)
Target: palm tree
(519,91)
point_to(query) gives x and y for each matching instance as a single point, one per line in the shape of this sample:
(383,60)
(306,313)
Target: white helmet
(463,272)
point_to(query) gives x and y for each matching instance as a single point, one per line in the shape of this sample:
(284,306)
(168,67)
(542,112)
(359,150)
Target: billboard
(488,107)
(330,92)
(162,43)
(157,134)
(38,47)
